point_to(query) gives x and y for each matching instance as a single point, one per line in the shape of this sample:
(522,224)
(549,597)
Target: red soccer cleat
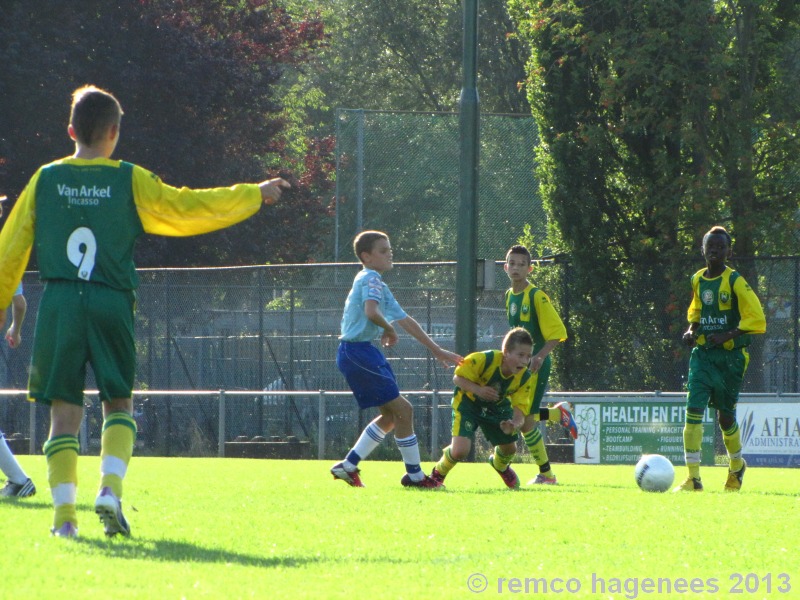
(427,483)
(351,478)
(509,476)
(566,419)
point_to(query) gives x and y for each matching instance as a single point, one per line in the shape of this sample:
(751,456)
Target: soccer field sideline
(234,528)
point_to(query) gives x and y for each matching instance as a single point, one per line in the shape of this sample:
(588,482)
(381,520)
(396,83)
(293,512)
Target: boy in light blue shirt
(370,310)
(18,484)
(368,285)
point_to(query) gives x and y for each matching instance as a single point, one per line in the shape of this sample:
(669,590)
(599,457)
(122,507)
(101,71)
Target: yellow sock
(446,463)
(501,461)
(692,443)
(62,475)
(554,415)
(733,444)
(535,443)
(116,449)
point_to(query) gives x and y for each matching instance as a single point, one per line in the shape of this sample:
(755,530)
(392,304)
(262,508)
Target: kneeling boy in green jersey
(493,392)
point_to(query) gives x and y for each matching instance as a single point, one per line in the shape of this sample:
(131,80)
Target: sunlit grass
(230,528)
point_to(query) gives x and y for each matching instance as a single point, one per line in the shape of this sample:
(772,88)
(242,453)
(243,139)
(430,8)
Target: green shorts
(715,378)
(82,323)
(468,416)
(540,380)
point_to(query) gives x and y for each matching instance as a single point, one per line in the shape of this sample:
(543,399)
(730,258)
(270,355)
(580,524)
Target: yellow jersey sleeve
(550,324)
(751,314)
(472,367)
(16,241)
(170,211)
(695,307)
(522,398)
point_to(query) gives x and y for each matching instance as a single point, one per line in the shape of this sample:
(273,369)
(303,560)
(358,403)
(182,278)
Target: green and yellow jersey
(483,368)
(532,309)
(722,303)
(85,215)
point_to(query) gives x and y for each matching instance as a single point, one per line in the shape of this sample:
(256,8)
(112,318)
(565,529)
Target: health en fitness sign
(618,430)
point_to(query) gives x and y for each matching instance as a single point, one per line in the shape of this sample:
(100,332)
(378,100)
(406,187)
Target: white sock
(409,449)
(371,438)
(9,464)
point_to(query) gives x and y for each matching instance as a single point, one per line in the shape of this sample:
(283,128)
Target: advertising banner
(770,433)
(618,430)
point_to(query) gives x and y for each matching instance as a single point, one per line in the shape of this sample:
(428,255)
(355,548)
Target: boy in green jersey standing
(724,313)
(529,307)
(84,213)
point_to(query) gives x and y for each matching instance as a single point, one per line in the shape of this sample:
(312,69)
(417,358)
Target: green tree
(754,125)
(650,116)
(406,55)
(198,82)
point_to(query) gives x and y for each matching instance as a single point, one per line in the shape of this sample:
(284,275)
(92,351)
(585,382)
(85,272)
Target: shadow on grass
(524,489)
(175,551)
(41,503)
(25,503)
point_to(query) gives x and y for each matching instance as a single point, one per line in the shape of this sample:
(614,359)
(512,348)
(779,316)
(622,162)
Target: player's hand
(272,189)
(13,337)
(389,337)
(690,339)
(536,363)
(488,393)
(717,339)
(448,358)
(508,427)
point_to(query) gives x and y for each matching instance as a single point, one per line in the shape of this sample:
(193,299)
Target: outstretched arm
(171,211)
(412,327)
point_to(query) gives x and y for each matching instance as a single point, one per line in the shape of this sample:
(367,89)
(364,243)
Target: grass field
(231,528)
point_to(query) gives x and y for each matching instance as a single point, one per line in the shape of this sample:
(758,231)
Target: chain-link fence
(275,329)
(402,169)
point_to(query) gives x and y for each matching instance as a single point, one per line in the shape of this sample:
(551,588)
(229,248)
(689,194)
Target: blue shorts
(368,373)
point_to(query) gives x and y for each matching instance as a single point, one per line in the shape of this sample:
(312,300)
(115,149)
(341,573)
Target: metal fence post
(434,422)
(221,436)
(796,331)
(321,427)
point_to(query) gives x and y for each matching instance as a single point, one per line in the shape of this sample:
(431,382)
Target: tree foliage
(400,171)
(197,81)
(406,55)
(657,120)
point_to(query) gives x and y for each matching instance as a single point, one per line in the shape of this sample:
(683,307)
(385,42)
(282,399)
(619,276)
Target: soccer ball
(654,473)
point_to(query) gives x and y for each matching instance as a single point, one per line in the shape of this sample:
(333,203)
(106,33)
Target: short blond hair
(516,337)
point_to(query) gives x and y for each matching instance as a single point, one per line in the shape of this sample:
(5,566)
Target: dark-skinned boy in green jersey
(84,214)
(529,307)
(724,313)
